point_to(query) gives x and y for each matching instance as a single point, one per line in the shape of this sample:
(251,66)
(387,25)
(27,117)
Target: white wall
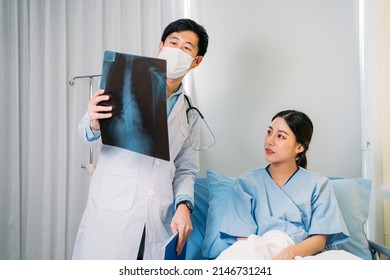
(269,55)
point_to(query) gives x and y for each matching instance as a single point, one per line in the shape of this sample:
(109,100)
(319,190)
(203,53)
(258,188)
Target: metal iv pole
(90,167)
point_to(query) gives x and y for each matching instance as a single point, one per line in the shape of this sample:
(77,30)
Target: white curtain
(43,43)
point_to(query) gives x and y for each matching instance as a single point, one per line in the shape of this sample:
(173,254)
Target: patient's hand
(308,247)
(181,222)
(286,254)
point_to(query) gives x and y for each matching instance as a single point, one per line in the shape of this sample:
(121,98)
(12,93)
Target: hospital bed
(211,197)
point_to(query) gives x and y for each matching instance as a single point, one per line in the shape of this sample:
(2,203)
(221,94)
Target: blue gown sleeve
(326,216)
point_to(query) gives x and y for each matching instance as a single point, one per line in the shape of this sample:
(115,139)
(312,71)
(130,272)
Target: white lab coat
(129,190)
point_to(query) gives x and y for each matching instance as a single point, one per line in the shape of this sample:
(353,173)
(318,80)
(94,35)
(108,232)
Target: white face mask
(178,61)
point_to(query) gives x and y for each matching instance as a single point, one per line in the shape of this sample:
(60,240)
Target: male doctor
(137,202)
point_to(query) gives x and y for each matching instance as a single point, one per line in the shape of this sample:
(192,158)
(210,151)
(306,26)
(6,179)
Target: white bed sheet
(270,244)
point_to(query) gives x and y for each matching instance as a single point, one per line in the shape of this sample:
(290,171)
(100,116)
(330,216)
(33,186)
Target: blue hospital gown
(304,206)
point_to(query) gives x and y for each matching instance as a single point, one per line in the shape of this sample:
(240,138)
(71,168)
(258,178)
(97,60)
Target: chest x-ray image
(137,89)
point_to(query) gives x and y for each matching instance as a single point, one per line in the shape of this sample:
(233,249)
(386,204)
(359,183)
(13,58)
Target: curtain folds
(43,190)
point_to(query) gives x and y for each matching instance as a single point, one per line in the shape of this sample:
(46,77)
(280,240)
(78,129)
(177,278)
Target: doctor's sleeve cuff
(91,135)
(181,198)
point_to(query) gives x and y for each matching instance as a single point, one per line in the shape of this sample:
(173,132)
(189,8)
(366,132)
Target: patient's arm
(242,238)
(310,246)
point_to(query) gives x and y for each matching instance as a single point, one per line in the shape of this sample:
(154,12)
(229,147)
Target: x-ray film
(137,89)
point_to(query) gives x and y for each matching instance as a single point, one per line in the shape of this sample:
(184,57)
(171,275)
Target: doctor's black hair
(302,127)
(185,24)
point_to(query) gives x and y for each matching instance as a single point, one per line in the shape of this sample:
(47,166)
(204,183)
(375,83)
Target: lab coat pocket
(118,189)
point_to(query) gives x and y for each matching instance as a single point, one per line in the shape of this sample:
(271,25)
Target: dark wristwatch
(187,203)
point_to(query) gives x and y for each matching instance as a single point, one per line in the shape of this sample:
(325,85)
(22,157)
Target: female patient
(284,196)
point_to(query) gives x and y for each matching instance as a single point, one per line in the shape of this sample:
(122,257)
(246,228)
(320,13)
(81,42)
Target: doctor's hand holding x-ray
(161,192)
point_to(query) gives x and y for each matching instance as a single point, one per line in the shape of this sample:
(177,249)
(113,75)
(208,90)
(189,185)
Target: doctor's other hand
(181,222)
(97,111)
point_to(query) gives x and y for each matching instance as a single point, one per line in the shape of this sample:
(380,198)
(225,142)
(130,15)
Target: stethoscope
(190,107)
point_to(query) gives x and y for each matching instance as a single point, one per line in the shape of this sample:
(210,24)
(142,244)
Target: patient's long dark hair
(302,127)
